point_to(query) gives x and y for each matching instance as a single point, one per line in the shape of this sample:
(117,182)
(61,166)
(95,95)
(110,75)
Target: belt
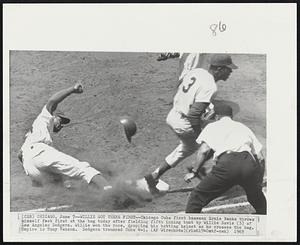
(201,119)
(229,152)
(223,153)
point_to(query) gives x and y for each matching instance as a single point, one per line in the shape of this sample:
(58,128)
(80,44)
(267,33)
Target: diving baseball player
(193,96)
(239,161)
(41,161)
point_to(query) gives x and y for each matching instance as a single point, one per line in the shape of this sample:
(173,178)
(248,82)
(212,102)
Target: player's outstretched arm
(61,95)
(201,158)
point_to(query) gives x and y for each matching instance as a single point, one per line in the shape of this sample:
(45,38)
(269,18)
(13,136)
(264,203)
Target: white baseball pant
(184,131)
(50,160)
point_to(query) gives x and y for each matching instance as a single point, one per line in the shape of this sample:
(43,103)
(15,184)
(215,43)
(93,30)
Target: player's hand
(78,88)
(189,176)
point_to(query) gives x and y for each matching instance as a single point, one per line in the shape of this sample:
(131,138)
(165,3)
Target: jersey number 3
(185,89)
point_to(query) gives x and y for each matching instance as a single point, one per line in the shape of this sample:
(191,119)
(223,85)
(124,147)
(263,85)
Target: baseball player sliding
(193,96)
(41,161)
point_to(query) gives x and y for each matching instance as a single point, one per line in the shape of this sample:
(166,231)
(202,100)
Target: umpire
(239,161)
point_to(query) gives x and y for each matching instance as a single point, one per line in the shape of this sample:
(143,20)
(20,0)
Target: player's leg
(256,198)
(74,168)
(37,169)
(81,170)
(36,176)
(60,163)
(99,182)
(252,182)
(222,177)
(212,186)
(186,147)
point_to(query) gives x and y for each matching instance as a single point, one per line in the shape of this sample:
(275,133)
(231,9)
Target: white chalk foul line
(233,205)
(48,209)
(224,206)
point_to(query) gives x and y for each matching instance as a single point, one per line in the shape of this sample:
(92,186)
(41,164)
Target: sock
(160,170)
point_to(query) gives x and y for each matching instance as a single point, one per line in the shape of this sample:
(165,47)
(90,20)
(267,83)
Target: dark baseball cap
(222,60)
(223,110)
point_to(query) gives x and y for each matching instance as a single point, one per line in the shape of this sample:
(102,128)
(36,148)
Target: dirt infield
(116,85)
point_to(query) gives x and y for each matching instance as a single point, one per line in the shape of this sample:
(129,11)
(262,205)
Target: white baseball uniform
(229,135)
(198,85)
(41,159)
(190,61)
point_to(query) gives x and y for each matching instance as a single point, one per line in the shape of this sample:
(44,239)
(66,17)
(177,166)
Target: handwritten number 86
(215,27)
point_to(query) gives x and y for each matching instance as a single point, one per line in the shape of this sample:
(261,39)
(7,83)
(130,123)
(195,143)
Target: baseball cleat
(155,187)
(151,184)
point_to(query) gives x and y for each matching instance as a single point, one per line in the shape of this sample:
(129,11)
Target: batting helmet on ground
(129,127)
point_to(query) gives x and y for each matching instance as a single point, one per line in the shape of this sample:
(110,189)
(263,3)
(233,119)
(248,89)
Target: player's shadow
(235,107)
